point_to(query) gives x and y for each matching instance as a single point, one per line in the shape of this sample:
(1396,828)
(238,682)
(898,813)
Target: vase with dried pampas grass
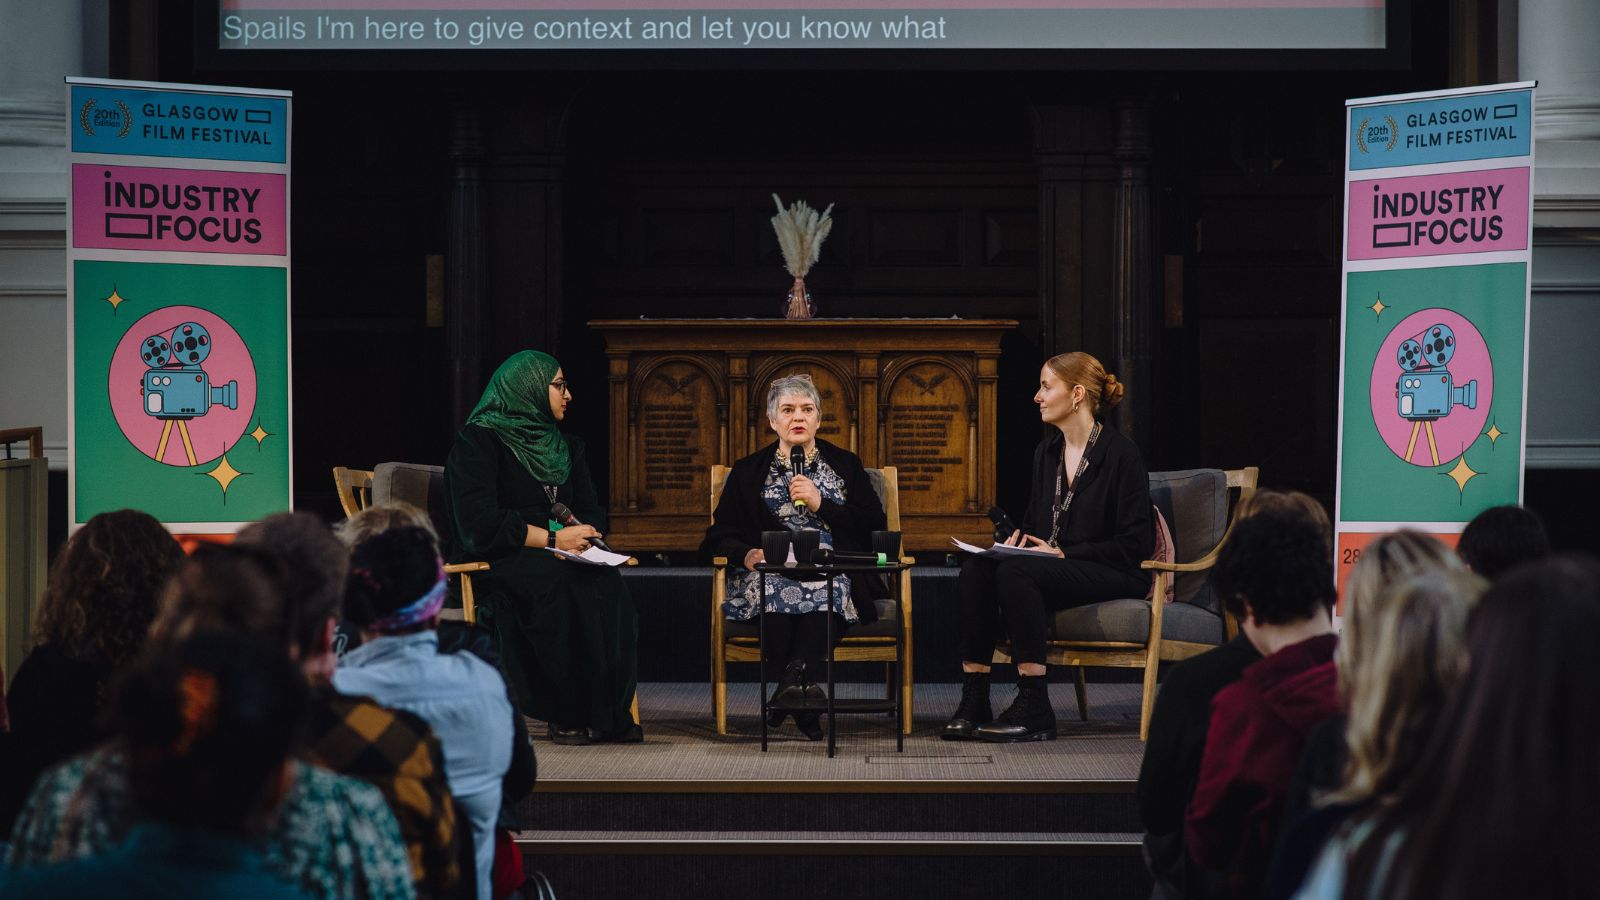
(801,231)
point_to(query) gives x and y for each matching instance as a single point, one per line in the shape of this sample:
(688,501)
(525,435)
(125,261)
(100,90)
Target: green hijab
(516,406)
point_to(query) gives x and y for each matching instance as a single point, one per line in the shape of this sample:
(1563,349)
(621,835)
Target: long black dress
(568,631)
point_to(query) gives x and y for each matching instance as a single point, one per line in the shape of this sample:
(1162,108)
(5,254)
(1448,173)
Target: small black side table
(831,706)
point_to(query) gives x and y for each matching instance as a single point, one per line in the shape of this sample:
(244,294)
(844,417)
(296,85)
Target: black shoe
(571,737)
(810,725)
(630,734)
(790,691)
(1028,718)
(974,709)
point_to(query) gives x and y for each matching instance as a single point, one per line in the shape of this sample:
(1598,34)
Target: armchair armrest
(458,568)
(719,562)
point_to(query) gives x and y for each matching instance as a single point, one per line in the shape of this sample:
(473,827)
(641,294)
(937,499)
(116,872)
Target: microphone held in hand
(797,464)
(563,514)
(1003,529)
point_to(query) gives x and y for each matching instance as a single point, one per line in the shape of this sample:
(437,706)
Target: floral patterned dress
(786,595)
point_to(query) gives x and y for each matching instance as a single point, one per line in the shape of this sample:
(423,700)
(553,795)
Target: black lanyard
(1061,504)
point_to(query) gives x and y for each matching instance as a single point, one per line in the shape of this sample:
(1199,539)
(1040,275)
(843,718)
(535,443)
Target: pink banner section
(1439,215)
(199,211)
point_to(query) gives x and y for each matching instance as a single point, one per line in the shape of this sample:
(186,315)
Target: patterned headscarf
(516,406)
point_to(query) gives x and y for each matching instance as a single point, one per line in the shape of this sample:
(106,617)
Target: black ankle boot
(974,709)
(1028,718)
(791,689)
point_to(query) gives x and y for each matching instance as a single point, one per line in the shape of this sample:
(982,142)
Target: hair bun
(1111,392)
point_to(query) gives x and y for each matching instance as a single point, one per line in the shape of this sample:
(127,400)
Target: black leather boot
(1029,717)
(974,709)
(791,689)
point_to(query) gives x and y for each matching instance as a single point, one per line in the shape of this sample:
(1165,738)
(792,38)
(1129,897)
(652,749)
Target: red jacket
(1258,730)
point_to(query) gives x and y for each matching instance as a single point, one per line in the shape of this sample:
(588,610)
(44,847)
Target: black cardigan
(740,516)
(1109,521)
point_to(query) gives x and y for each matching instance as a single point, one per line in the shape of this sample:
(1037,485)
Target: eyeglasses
(561,386)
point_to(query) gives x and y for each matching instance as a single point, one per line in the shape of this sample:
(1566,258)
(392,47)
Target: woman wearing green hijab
(568,632)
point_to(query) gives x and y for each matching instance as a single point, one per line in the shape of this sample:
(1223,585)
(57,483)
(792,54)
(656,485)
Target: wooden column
(465,269)
(1132,277)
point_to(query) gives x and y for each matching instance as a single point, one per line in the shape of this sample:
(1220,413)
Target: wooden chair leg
(469,605)
(1083,693)
(634,708)
(1147,703)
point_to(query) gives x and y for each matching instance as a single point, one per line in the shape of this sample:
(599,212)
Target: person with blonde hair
(1089,522)
(375,520)
(1406,606)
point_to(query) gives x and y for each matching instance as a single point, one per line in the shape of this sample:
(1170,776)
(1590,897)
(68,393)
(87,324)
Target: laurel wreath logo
(83,119)
(1394,133)
(127,119)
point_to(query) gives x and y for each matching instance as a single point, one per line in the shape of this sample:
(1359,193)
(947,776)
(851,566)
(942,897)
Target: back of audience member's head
(315,565)
(1502,537)
(105,586)
(1390,559)
(1502,800)
(1291,502)
(1401,655)
(396,583)
(375,520)
(208,727)
(232,587)
(1278,561)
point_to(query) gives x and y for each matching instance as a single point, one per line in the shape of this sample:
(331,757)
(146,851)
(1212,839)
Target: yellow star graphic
(1377,305)
(260,434)
(115,299)
(224,473)
(1494,433)
(1462,473)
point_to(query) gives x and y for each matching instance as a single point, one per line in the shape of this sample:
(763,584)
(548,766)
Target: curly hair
(105,586)
(1278,561)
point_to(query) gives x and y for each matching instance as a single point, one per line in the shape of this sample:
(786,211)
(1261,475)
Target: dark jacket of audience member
(207,731)
(1502,537)
(1277,576)
(101,597)
(1172,756)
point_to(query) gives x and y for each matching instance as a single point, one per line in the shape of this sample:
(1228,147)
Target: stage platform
(691,812)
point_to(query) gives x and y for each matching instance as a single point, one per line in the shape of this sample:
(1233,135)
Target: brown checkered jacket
(396,752)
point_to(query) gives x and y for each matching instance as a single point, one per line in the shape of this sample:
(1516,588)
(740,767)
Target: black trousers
(802,636)
(1018,594)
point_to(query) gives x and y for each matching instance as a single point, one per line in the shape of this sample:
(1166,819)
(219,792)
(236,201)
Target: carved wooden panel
(677,433)
(929,431)
(918,394)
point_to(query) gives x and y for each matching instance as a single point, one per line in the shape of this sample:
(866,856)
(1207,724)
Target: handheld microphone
(1003,529)
(564,515)
(797,463)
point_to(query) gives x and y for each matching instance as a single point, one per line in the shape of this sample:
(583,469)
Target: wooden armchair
(420,486)
(1138,634)
(739,641)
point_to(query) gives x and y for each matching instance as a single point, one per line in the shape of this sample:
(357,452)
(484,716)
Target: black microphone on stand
(564,515)
(797,462)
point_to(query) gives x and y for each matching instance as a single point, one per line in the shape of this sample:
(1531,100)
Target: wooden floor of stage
(683,750)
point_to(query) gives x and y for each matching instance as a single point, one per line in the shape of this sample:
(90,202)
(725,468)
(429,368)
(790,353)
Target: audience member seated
(1502,537)
(1276,574)
(91,625)
(457,636)
(333,836)
(831,495)
(1398,658)
(206,729)
(391,749)
(395,591)
(1180,719)
(1501,800)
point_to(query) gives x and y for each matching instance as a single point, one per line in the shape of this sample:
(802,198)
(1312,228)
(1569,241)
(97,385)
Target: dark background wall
(550,199)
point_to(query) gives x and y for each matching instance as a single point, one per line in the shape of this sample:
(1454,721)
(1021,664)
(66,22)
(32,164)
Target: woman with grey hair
(829,492)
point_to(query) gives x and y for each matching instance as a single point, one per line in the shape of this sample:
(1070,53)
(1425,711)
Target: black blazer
(740,516)
(1109,521)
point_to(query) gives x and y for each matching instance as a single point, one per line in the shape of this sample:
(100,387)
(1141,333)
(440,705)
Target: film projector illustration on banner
(176,389)
(1426,391)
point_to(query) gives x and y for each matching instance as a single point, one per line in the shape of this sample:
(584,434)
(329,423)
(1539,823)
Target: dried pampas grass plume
(801,231)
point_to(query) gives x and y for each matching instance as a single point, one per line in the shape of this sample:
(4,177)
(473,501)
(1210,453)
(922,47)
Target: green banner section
(181,390)
(1432,392)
